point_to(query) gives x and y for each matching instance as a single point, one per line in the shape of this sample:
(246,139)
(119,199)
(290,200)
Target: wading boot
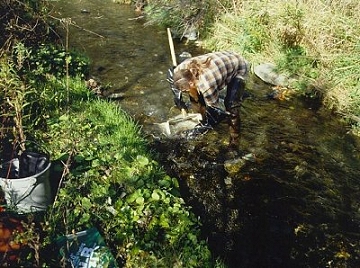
(234,130)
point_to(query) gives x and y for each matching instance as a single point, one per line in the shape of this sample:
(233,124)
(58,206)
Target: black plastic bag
(31,163)
(25,163)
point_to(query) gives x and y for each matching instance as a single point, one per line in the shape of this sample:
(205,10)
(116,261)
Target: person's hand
(199,129)
(170,75)
(177,93)
(215,115)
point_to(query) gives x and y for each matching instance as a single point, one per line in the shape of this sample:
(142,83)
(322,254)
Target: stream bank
(291,195)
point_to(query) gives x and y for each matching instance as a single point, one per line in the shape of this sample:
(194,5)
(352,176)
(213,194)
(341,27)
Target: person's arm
(214,114)
(176,92)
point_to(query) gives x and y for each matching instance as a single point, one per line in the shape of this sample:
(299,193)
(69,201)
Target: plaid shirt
(224,66)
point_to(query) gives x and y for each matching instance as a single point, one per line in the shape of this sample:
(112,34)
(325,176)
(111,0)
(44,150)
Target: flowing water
(289,197)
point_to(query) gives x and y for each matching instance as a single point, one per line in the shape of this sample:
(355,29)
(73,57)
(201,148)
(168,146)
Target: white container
(182,122)
(28,194)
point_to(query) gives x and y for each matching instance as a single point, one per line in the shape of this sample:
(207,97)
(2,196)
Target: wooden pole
(172,50)
(173,58)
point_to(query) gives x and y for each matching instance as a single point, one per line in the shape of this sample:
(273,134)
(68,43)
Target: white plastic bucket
(28,194)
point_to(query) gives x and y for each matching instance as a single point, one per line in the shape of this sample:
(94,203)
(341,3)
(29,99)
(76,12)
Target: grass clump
(315,42)
(181,16)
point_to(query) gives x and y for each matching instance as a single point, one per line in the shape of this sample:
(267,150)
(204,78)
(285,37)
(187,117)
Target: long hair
(197,68)
(191,73)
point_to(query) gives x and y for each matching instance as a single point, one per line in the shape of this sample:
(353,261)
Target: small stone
(184,55)
(228,181)
(268,73)
(116,95)
(234,165)
(249,157)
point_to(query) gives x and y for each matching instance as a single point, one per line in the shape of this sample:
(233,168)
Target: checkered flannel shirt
(224,66)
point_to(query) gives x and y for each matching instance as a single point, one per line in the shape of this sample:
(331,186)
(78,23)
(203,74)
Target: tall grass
(317,42)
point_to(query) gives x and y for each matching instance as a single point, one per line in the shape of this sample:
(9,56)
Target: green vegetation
(315,42)
(181,16)
(114,184)
(105,175)
(109,180)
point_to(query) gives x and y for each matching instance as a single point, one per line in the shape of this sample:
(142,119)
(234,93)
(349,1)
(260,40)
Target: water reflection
(131,57)
(294,203)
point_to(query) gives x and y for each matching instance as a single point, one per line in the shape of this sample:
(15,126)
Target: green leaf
(155,196)
(95,163)
(79,158)
(142,160)
(165,183)
(140,200)
(164,221)
(140,183)
(64,117)
(86,203)
(132,198)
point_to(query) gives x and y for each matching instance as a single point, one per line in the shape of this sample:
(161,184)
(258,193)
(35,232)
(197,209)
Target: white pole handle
(172,50)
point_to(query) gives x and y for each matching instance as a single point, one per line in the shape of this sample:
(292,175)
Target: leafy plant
(31,87)
(114,184)
(24,21)
(15,93)
(48,60)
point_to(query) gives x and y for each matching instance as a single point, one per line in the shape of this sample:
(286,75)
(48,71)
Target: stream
(289,196)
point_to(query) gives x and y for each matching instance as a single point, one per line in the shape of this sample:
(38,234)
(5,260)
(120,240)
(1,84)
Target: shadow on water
(292,202)
(289,198)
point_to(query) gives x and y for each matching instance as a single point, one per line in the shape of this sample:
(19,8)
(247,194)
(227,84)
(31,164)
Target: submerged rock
(115,95)
(184,55)
(95,86)
(234,165)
